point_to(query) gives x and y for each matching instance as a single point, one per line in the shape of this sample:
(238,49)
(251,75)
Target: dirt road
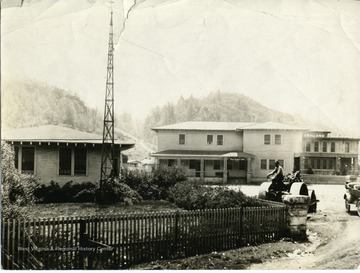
(333,242)
(334,235)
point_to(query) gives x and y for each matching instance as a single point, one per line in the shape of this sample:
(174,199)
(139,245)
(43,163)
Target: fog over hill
(300,57)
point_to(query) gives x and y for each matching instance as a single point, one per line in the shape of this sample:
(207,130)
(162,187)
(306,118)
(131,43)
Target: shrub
(142,183)
(165,177)
(154,185)
(113,190)
(70,192)
(191,195)
(17,189)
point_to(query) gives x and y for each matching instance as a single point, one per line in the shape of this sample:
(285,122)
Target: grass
(92,209)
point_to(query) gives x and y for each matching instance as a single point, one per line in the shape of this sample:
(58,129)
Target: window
(316,146)
(80,161)
(73,161)
(263,164)
(220,140)
(324,147)
(28,160)
(277,139)
(332,147)
(306,163)
(65,161)
(307,146)
(210,139)
(347,147)
(272,163)
(171,162)
(331,163)
(181,139)
(267,139)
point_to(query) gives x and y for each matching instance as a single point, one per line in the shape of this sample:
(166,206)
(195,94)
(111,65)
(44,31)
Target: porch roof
(202,153)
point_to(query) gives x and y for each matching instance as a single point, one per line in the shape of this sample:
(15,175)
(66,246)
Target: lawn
(92,209)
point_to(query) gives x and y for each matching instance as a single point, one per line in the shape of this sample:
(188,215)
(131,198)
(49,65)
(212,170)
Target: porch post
(248,170)
(337,163)
(202,169)
(356,166)
(225,177)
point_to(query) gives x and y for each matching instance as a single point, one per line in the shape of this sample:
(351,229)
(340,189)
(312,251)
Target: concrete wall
(197,140)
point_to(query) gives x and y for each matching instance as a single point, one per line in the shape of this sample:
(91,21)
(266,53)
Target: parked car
(352,195)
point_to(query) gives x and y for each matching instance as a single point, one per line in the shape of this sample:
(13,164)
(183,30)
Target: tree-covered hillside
(219,106)
(28,103)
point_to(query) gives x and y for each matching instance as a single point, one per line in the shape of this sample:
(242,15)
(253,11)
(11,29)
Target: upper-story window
(267,139)
(347,147)
(278,139)
(182,139)
(307,146)
(210,139)
(220,140)
(332,147)
(316,146)
(324,147)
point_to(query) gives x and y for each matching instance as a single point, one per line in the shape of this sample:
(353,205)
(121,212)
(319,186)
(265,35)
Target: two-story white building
(229,151)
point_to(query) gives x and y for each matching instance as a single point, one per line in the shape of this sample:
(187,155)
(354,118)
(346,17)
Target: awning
(237,155)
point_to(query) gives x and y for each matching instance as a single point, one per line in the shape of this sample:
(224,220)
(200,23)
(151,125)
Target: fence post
(240,239)
(83,240)
(176,232)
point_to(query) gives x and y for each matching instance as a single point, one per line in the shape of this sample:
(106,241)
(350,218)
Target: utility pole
(107,153)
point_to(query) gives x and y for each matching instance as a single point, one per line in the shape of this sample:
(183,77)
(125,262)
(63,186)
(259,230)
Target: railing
(119,241)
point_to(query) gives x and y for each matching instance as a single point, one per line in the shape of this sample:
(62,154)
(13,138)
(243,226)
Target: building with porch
(59,154)
(229,152)
(324,153)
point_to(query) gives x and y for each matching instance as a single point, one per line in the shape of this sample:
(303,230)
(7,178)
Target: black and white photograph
(180,134)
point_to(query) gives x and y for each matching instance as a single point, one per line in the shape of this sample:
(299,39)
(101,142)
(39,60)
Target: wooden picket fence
(119,241)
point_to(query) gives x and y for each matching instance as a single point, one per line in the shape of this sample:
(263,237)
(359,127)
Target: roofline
(271,129)
(179,129)
(52,141)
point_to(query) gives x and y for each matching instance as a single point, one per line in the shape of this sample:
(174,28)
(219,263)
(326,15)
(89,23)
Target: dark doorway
(296,163)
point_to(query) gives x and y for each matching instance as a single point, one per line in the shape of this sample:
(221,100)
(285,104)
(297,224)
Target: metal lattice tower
(107,154)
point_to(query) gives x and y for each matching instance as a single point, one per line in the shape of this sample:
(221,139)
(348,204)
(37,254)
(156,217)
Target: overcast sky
(298,56)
